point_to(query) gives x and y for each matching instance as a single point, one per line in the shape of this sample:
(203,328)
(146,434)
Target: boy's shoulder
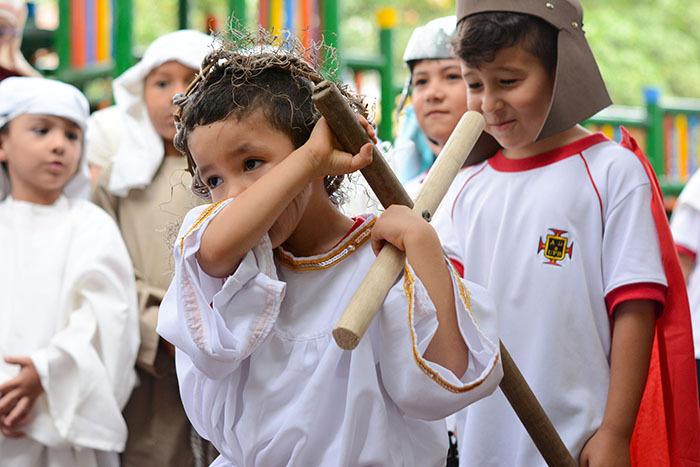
(90,217)
(615,163)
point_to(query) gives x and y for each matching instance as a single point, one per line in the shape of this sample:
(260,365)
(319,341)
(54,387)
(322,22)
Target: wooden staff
(370,295)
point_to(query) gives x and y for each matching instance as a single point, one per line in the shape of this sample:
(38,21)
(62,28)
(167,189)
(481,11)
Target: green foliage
(637,44)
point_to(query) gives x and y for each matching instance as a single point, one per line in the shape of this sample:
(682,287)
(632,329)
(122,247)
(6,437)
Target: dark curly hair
(482,35)
(250,73)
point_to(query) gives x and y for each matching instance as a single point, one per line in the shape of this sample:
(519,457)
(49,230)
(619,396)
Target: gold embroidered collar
(345,248)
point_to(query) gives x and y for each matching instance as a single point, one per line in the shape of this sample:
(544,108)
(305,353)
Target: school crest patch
(555,247)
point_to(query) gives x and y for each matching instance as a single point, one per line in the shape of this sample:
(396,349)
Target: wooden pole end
(345,338)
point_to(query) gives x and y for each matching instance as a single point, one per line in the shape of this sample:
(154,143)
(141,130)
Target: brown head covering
(579,91)
(13,13)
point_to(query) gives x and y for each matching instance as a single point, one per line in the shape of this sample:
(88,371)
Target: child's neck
(547,144)
(321,227)
(46,199)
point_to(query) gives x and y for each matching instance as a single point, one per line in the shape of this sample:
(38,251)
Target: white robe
(262,379)
(68,301)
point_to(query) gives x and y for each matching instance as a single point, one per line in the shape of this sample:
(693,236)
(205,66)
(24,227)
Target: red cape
(667,432)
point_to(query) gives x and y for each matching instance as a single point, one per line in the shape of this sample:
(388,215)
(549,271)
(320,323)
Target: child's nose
(236,187)
(490,102)
(58,143)
(435,91)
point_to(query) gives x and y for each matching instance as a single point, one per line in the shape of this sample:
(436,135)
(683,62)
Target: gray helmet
(432,41)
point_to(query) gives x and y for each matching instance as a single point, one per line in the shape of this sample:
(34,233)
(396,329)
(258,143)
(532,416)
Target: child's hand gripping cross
(327,159)
(17,397)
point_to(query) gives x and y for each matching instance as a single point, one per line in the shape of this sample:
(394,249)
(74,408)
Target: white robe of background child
(68,301)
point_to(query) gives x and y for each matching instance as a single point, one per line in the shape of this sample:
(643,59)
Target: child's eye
(454,76)
(420,82)
(72,135)
(251,164)
(474,86)
(508,82)
(40,130)
(162,84)
(214,181)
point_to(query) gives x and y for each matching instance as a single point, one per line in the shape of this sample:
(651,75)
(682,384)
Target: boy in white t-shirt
(557,224)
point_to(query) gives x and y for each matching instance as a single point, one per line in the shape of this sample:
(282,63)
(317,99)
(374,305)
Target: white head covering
(141,150)
(432,41)
(42,96)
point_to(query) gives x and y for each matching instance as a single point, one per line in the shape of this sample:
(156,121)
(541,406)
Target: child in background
(438,101)
(144,186)
(685,225)
(13,14)
(566,230)
(69,332)
(438,95)
(263,274)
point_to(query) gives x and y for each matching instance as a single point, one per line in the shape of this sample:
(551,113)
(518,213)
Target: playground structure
(668,129)
(94,39)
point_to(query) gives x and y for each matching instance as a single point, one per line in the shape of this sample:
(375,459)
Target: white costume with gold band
(261,377)
(68,301)
(559,240)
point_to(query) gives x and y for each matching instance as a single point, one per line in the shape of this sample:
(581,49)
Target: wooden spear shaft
(372,292)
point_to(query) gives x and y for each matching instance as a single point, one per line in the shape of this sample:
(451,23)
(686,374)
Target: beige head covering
(14,12)
(141,150)
(40,96)
(579,91)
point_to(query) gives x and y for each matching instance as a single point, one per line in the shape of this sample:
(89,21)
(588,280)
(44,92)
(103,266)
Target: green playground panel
(667,128)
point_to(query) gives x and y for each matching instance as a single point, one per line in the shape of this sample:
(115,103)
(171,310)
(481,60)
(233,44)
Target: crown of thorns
(248,55)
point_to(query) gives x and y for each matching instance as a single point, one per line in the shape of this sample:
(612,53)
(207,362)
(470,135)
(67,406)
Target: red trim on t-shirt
(503,164)
(685,251)
(597,193)
(640,291)
(458,266)
(452,211)
(359,220)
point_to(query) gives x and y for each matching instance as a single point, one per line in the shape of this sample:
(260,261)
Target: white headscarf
(141,149)
(40,96)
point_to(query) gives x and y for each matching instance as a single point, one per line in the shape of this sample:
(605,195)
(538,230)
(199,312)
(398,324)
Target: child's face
(42,154)
(513,93)
(160,86)
(233,154)
(439,98)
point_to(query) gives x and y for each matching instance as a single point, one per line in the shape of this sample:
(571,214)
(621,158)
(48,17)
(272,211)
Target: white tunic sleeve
(196,316)
(421,388)
(87,369)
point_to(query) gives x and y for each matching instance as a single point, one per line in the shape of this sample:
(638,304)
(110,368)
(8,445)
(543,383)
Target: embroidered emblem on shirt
(555,247)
